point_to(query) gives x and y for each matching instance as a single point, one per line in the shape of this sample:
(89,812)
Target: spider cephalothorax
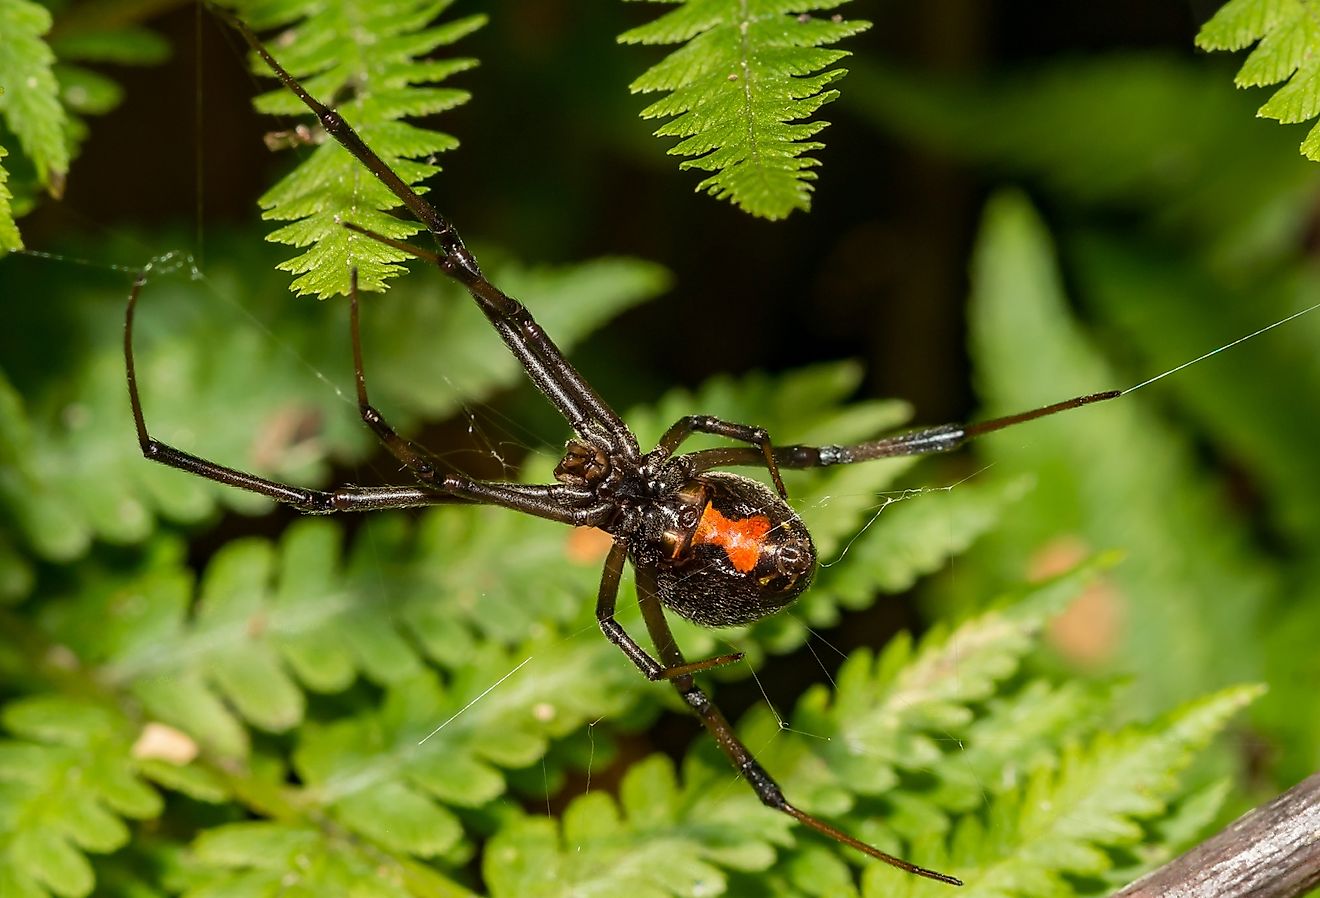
(716,547)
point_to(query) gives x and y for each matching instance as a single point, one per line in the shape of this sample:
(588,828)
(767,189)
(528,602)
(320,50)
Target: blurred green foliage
(201,697)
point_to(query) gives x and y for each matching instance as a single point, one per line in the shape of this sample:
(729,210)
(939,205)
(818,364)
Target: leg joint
(765,787)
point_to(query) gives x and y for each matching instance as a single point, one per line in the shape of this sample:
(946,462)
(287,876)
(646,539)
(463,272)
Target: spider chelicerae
(715,547)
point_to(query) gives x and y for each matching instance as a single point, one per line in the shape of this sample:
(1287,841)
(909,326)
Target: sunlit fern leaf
(1288,32)
(910,533)
(391,775)
(810,870)
(659,839)
(1184,823)
(366,61)
(29,103)
(905,709)
(9,236)
(742,92)
(269,858)
(44,96)
(273,622)
(1065,821)
(1016,734)
(67,780)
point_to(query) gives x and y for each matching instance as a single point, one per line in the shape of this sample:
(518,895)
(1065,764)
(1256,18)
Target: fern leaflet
(65,783)
(741,92)
(1060,822)
(375,80)
(1288,32)
(29,93)
(9,237)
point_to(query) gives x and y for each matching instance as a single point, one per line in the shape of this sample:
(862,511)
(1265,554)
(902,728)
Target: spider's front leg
(556,502)
(687,425)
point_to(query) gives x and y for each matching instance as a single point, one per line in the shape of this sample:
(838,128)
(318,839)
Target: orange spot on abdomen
(741,539)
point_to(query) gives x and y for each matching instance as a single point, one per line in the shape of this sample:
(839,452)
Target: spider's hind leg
(762,783)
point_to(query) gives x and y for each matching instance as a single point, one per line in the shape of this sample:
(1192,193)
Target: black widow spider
(717,548)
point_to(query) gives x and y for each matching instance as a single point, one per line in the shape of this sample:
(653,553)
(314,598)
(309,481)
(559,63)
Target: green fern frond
(1288,32)
(375,80)
(1017,735)
(391,775)
(44,96)
(271,624)
(659,839)
(742,91)
(897,711)
(10,239)
(1063,820)
(923,529)
(67,780)
(29,102)
(1058,812)
(268,857)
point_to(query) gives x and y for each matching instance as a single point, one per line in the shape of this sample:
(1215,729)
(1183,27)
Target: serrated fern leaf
(910,533)
(268,858)
(67,780)
(272,623)
(390,775)
(29,101)
(44,96)
(1016,735)
(742,92)
(9,236)
(376,80)
(660,839)
(904,709)
(1288,32)
(1062,821)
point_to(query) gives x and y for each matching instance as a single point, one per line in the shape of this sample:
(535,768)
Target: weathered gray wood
(1271,852)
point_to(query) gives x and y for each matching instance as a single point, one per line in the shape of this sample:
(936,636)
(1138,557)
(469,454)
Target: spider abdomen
(745,556)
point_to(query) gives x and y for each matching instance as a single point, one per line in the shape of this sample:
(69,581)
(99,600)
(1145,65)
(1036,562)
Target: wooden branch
(1271,852)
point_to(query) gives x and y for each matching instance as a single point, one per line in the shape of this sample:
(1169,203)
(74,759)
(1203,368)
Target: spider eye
(687,518)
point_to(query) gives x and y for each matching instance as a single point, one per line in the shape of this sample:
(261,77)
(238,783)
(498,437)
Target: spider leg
(582,407)
(764,785)
(684,427)
(614,632)
(925,441)
(404,450)
(558,502)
